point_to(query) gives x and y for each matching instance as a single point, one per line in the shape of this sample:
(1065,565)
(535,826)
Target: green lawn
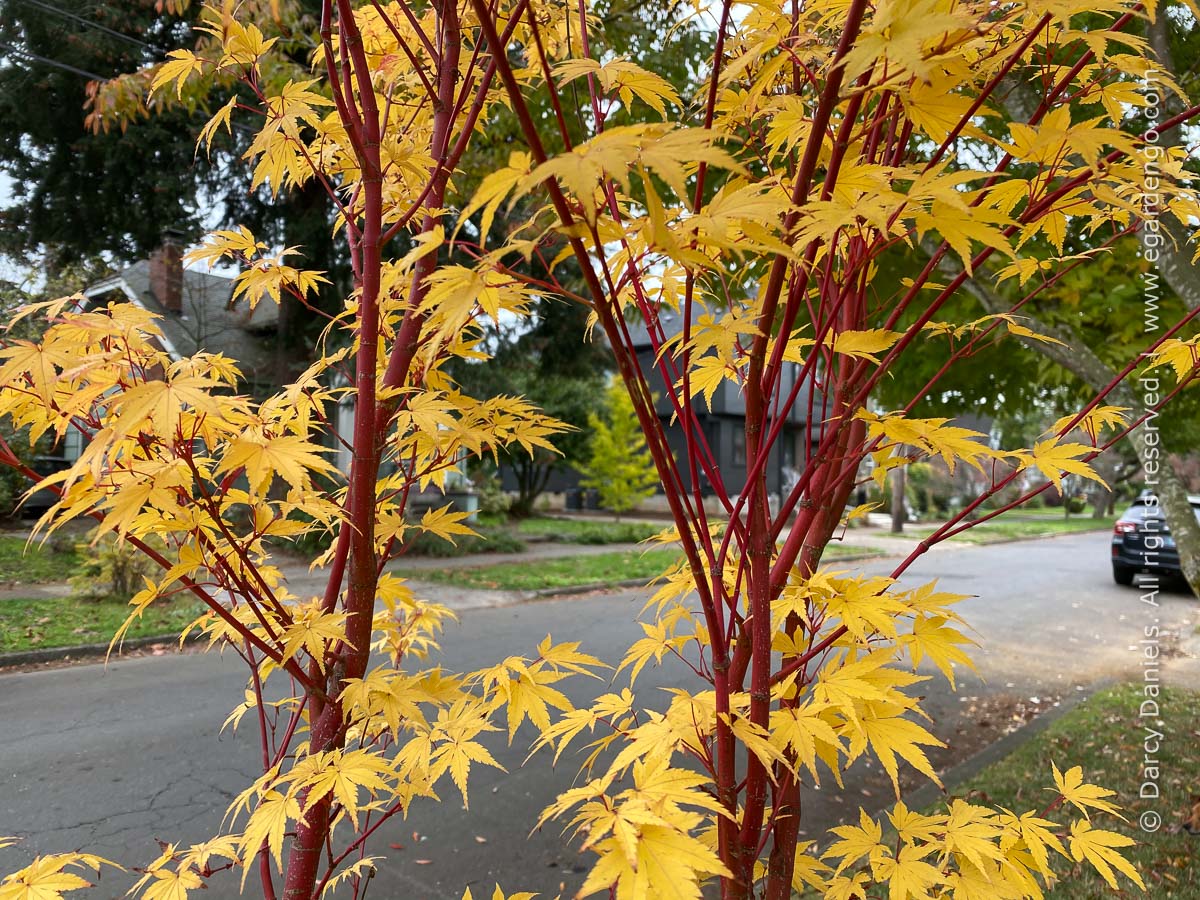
(585,531)
(569,571)
(36,564)
(1046,512)
(1105,736)
(573,571)
(65,622)
(1003,528)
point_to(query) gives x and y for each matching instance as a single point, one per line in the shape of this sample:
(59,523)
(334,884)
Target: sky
(9,271)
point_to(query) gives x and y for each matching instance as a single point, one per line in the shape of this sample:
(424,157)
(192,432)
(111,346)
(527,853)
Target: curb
(571,590)
(575,589)
(92,651)
(1043,536)
(958,775)
(950,542)
(86,651)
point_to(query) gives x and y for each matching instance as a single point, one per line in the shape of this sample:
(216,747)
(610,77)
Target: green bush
(576,531)
(489,540)
(611,533)
(113,570)
(1003,497)
(493,499)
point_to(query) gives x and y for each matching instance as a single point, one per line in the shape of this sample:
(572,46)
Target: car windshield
(1140,511)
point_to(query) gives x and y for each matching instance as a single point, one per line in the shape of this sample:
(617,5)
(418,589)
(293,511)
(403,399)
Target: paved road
(109,759)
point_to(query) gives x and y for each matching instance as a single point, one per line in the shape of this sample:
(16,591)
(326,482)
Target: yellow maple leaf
(344,774)
(499,894)
(934,108)
(857,841)
(1101,849)
(708,374)
(908,875)
(456,757)
(312,630)
(491,192)
(1094,421)
(1081,795)
(865,344)
(46,877)
(180,65)
(221,117)
(668,863)
(973,831)
(172,884)
(267,825)
(1182,356)
(893,736)
(445,523)
(290,456)
(1053,459)
(932,637)
(158,406)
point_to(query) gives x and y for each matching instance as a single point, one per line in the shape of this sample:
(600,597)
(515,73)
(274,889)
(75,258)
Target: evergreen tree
(620,467)
(50,57)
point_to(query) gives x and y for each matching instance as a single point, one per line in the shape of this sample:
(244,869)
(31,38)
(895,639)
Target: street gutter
(89,652)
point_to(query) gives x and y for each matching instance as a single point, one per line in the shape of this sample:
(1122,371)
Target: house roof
(206,321)
(671,322)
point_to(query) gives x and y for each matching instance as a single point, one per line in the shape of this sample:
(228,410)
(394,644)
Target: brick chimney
(166,273)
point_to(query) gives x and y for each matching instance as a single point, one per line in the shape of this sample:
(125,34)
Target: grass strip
(575,571)
(1106,736)
(38,563)
(1001,529)
(579,531)
(67,621)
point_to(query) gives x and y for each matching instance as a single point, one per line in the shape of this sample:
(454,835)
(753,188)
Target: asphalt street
(112,758)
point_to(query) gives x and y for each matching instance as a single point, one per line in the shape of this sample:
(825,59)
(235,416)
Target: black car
(1142,542)
(40,501)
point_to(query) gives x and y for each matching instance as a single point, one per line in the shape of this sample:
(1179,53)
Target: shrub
(486,540)
(112,569)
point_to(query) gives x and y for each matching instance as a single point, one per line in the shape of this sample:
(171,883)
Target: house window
(739,447)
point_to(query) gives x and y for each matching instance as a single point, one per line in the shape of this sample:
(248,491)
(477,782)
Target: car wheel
(1122,574)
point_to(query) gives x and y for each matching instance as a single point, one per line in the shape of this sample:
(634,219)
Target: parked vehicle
(40,501)
(1142,542)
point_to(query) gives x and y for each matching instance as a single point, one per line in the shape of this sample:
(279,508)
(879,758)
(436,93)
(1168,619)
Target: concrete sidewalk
(304,582)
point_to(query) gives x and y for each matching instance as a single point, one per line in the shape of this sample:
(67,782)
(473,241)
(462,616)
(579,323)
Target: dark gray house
(196,315)
(724,424)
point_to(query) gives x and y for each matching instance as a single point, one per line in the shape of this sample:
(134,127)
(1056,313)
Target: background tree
(72,95)
(1094,311)
(53,160)
(545,361)
(619,465)
(548,363)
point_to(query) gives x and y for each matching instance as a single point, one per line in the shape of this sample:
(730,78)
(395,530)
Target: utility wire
(27,56)
(89,23)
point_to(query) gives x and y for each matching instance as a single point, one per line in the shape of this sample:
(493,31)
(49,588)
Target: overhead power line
(87,23)
(27,56)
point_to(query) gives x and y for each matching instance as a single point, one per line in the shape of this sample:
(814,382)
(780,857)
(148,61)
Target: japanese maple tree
(824,135)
